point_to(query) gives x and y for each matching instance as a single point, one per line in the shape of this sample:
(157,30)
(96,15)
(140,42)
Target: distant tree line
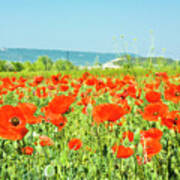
(144,61)
(43,63)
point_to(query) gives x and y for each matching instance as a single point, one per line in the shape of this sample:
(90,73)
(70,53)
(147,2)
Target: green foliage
(61,65)
(9,66)
(18,66)
(127,63)
(2,65)
(144,61)
(43,63)
(28,66)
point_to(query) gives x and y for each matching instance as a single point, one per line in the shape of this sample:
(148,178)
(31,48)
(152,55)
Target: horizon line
(68,50)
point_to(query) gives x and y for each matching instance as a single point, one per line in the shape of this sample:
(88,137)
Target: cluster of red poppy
(64,94)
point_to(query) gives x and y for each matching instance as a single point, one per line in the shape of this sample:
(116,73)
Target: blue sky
(92,25)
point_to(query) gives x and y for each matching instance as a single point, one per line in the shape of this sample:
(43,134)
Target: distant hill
(75,57)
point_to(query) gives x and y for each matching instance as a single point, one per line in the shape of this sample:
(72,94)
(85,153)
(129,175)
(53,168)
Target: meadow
(98,124)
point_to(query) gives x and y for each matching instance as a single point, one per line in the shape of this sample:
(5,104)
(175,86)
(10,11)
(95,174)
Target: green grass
(134,70)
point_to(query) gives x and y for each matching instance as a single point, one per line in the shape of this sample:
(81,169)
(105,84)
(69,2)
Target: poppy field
(90,127)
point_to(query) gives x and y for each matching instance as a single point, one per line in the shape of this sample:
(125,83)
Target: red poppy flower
(152,133)
(172,93)
(162,75)
(129,135)
(59,121)
(131,90)
(27,150)
(107,112)
(151,147)
(91,82)
(64,88)
(64,79)
(152,112)
(28,110)
(150,141)
(153,96)
(60,104)
(85,75)
(55,79)
(152,86)
(12,124)
(171,120)
(38,80)
(84,110)
(45,141)
(110,83)
(122,151)
(41,92)
(75,144)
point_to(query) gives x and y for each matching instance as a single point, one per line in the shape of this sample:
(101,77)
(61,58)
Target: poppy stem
(19,147)
(2,147)
(98,138)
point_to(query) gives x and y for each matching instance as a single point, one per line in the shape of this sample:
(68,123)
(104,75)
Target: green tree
(18,66)
(61,65)
(28,66)
(43,63)
(2,65)
(9,66)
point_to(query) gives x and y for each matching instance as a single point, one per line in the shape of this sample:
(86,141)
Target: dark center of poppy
(61,124)
(15,121)
(175,121)
(177,93)
(155,113)
(123,97)
(56,79)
